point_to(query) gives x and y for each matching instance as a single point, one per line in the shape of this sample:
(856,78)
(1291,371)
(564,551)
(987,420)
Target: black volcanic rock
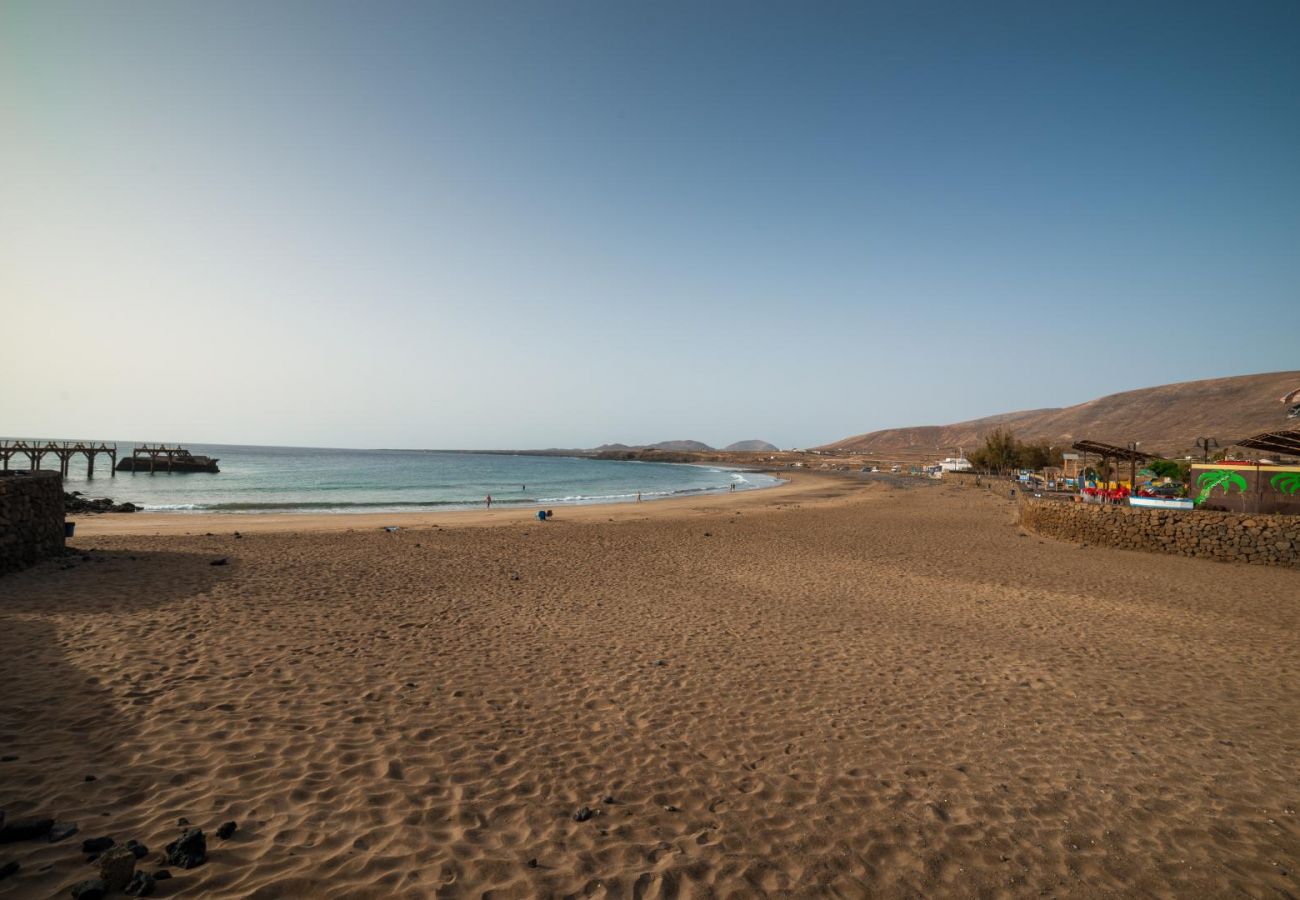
(88,890)
(76,503)
(116,868)
(142,885)
(189,850)
(61,830)
(24,830)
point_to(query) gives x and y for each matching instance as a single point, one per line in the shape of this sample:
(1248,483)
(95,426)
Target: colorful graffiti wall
(1247,489)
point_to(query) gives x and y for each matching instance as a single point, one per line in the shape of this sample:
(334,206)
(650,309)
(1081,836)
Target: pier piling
(63,451)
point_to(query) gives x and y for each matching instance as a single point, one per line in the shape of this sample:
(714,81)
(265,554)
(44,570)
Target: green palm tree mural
(1223,478)
(1286,482)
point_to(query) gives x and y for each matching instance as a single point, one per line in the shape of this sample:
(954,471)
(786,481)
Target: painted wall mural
(1218,478)
(1247,488)
(1286,482)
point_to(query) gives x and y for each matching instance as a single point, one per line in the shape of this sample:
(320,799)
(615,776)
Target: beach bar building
(1252,487)
(1111,453)
(1072,466)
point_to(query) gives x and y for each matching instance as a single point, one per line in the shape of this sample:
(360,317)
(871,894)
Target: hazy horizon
(717,444)
(521,226)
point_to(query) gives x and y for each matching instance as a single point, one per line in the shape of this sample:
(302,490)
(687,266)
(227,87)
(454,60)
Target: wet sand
(830,688)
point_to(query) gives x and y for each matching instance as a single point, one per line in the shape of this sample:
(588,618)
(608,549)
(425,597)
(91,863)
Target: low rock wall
(31,518)
(1268,540)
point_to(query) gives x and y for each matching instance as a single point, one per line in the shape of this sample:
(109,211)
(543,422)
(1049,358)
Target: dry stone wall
(1268,540)
(31,518)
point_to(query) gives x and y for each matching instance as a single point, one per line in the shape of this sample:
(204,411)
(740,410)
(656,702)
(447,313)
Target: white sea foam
(603,498)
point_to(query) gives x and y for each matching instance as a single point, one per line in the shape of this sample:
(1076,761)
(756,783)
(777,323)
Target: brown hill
(751,447)
(1166,419)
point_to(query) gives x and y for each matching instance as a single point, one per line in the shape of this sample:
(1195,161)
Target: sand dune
(838,690)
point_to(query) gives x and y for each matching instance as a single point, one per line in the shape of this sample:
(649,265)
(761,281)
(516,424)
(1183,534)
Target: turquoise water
(295,479)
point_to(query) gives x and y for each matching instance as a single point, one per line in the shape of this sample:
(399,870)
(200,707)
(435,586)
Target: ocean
(296,479)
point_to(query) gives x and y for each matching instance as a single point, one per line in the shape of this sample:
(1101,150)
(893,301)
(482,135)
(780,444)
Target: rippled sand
(837,689)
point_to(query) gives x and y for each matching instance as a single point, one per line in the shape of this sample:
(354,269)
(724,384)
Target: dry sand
(836,689)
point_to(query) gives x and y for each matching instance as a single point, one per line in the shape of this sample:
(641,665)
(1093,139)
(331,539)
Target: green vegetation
(1001,452)
(1165,468)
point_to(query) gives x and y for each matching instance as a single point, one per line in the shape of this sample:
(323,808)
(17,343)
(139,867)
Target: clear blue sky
(491,224)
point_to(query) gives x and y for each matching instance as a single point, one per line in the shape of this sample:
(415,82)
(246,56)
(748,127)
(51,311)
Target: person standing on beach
(638,496)
(488,501)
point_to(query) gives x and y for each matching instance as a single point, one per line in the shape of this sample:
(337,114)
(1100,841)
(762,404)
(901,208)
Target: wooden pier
(64,451)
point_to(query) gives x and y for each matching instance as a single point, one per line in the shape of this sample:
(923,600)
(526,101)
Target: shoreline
(245,498)
(795,486)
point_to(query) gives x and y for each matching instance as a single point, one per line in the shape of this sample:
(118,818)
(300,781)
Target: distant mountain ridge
(1166,419)
(753,446)
(681,446)
(686,447)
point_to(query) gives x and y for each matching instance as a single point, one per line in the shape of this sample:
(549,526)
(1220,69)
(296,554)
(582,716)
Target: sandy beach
(828,688)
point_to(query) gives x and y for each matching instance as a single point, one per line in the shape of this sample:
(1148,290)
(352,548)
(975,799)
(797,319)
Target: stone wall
(31,518)
(1229,537)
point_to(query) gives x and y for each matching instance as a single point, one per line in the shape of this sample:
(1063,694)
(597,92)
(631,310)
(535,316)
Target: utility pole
(1132,466)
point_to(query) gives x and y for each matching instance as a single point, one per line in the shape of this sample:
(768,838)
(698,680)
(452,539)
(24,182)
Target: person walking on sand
(488,501)
(638,496)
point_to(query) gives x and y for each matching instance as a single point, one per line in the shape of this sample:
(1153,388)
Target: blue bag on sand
(541,515)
